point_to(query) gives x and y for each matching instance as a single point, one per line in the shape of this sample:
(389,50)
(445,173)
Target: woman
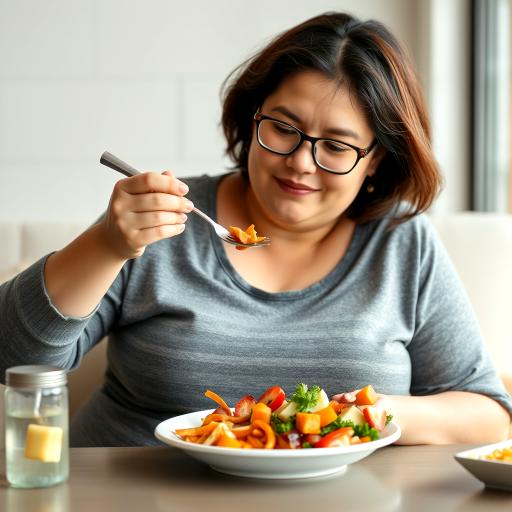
(330,138)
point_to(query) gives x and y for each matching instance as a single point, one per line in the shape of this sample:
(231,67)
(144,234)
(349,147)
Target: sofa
(480,245)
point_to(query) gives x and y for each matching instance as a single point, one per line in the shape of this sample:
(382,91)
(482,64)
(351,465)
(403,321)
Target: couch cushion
(480,245)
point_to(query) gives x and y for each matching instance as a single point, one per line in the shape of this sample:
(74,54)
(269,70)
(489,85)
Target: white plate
(493,473)
(304,463)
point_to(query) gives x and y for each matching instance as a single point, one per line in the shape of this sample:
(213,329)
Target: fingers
(154,234)
(144,209)
(153,219)
(158,201)
(153,182)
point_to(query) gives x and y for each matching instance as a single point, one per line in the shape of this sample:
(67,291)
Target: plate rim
(472,453)
(174,441)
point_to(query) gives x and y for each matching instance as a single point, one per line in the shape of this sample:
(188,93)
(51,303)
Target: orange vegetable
(307,423)
(196,431)
(221,418)
(216,398)
(262,412)
(215,434)
(327,415)
(242,432)
(336,406)
(229,442)
(366,396)
(270,437)
(249,236)
(255,442)
(239,234)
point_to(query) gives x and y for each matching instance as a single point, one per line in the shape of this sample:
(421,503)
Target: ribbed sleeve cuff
(39,315)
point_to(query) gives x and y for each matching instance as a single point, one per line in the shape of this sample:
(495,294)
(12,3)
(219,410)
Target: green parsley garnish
(279,426)
(305,398)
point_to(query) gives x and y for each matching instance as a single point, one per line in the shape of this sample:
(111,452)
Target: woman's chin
(290,217)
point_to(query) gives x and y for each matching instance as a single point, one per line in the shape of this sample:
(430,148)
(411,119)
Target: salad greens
(359,430)
(281,427)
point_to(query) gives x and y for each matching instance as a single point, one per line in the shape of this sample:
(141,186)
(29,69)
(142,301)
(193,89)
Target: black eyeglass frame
(361,152)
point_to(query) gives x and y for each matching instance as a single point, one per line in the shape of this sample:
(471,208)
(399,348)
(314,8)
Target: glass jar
(36,426)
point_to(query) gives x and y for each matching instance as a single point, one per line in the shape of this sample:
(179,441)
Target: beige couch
(480,245)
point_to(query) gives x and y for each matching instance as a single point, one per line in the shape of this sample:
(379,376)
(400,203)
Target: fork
(118,165)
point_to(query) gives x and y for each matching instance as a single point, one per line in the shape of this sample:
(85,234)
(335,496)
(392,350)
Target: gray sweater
(392,313)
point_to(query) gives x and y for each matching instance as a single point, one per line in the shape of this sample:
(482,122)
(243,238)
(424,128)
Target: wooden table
(413,478)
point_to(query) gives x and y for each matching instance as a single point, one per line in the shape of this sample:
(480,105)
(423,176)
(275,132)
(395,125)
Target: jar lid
(35,376)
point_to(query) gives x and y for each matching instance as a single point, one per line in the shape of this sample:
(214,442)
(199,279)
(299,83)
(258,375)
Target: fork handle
(117,164)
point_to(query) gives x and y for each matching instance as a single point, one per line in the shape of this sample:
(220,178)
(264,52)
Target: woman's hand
(144,209)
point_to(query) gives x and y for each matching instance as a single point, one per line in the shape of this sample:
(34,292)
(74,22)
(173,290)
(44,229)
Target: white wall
(140,79)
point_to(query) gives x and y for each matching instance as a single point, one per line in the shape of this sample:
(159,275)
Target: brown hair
(369,59)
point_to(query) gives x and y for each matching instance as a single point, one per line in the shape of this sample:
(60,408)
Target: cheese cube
(323,402)
(43,443)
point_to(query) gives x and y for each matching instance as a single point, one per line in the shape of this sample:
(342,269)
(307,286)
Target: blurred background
(142,80)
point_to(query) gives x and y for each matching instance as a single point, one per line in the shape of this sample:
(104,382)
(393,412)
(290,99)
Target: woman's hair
(367,58)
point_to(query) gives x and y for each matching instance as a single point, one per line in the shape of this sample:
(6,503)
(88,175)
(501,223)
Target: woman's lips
(291,187)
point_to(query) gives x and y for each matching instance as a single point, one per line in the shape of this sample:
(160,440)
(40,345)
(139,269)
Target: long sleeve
(447,351)
(33,331)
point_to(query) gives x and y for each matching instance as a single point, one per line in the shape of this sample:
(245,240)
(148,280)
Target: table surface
(409,478)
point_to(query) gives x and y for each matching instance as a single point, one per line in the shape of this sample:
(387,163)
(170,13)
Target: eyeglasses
(330,155)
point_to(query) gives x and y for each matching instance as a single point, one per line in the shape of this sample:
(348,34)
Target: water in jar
(26,472)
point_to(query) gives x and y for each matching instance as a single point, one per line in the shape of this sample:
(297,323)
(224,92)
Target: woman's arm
(449,417)
(142,210)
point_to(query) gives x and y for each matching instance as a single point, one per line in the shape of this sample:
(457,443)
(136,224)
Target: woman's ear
(376,159)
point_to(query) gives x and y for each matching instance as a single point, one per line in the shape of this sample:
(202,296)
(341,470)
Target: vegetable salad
(305,419)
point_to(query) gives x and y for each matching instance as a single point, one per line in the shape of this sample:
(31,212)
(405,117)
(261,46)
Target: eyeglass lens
(284,139)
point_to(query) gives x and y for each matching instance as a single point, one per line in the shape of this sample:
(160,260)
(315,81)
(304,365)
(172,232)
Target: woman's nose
(301,160)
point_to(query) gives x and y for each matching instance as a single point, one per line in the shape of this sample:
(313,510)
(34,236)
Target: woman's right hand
(144,209)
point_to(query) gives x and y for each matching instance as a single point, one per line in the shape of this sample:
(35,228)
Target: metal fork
(117,164)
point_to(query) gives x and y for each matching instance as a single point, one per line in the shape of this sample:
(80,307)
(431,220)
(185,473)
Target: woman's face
(292,190)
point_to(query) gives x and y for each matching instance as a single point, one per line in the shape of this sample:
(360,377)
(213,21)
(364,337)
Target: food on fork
(306,419)
(249,236)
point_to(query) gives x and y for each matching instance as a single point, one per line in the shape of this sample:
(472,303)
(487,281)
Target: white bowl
(258,463)
(493,473)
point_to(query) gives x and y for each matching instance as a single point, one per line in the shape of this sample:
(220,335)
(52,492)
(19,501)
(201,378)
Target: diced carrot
(365,439)
(366,396)
(262,412)
(307,423)
(327,415)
